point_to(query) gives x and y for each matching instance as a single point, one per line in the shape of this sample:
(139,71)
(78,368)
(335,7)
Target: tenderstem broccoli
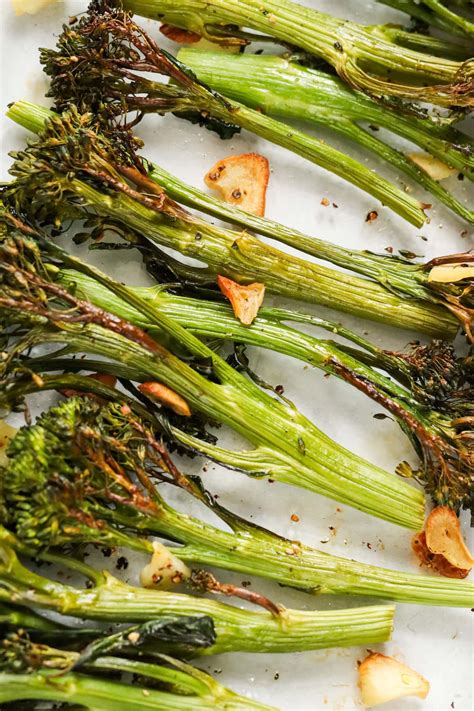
(70,480)
(88,675)
(107,599)
(286,445)
(438,14)
(281,87)
(99,66)
(428,389)
(52,169)
(366,57)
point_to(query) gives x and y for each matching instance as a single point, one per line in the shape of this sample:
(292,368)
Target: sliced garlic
(164,570)
(383,679)
(445,273)
(444,537)
(435,168)
(242,181)
(167,396)
(245,300)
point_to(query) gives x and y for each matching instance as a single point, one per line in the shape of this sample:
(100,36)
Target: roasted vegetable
(70,480)
(286,445)
(371,58)
(99,66)
(108,599)
(144,213)
(88,676)
(283,88)
(428,389)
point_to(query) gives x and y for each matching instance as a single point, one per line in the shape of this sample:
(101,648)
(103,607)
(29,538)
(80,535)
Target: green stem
(252,550)
(244,257)
(429,14)
(427,43)
(236,629)
(322,154)
(288,446)
(349,47)
(458,21)
(26,619)
(270,329)
(328,93)
(99,693)
(283,88)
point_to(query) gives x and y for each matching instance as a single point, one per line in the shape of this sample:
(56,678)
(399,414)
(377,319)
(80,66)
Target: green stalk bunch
(100,66)
(369,58)
(70,480)
(442,15)
(87,676)
(66,172)
(281,87)
(429,390)
(108,599)
(286,445)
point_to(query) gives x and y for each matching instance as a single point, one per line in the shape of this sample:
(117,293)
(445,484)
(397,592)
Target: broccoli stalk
(29,670)
(53,170)
(429,391)
(69,480)
(110,600)
(365,57)
(92,692)
(287,446)
(99,67)
(283,88)
(437,14)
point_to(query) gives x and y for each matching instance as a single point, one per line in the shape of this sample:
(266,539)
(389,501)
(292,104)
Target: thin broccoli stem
(285,89)
(312,149)
(270,329)
(100,693)
(349,47)
(308,91)
(430,14)
(26,619)
(321,153)
(245,257)
(253,550)
(427,43)
(288,446)
(236,629)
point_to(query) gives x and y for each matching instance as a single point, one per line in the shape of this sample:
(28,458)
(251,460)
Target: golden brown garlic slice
(242,180)
(383,679)
(245,300)
(436,169)
(444,537)
(162,393)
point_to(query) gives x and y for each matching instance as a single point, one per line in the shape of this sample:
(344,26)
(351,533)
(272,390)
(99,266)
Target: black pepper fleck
(122,563)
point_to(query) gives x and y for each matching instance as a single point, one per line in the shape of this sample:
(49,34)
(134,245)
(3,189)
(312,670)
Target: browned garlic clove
(164,569)
(383,679)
